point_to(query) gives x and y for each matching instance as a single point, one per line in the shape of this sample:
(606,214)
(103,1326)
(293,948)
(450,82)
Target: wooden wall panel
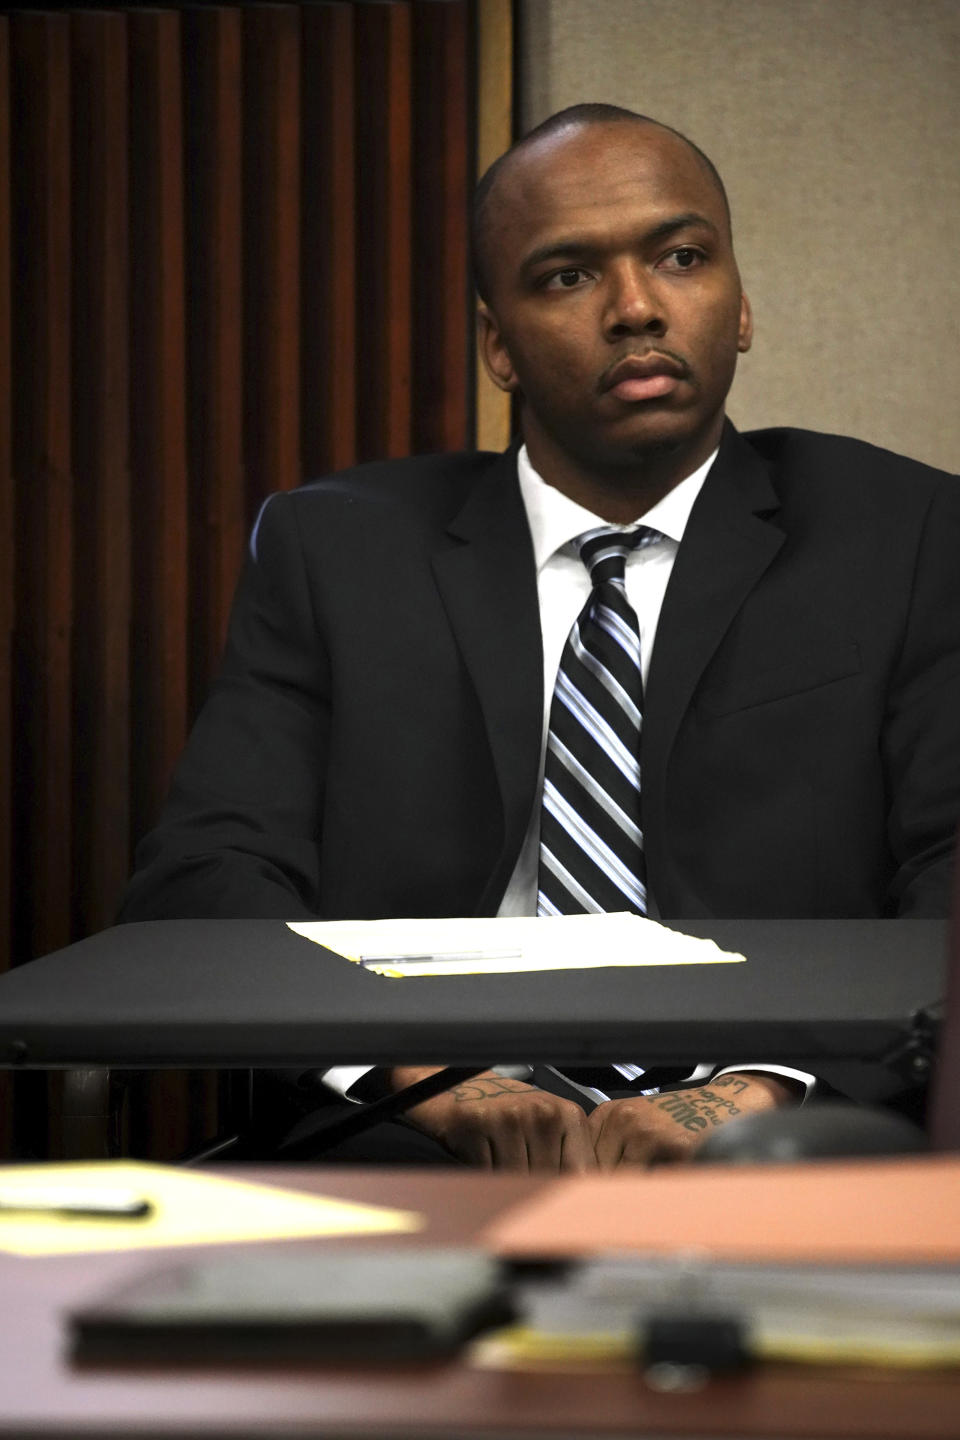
(384,242)
(213,60)
(158,410)
(440,187)
(42,468)
(232,255)
(7,555)
(328,183)
(7,550)
(272,247)
(101,435)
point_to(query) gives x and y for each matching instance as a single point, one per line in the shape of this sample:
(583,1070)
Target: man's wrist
(400,1076)
(779,1089)
(800,1082)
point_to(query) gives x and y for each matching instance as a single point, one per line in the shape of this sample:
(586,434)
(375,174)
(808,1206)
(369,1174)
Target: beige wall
(836,126)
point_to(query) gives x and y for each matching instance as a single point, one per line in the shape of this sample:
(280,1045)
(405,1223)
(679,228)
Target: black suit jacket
(371,745)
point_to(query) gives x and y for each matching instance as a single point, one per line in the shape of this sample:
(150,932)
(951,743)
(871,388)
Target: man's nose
(633,304)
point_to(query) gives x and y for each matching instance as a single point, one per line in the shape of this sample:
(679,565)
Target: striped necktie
(591,842)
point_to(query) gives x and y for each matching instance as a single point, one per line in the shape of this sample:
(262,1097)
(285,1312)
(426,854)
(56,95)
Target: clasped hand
(503,1124)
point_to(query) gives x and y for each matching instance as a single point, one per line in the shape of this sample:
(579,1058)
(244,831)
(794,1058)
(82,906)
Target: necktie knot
(604,551)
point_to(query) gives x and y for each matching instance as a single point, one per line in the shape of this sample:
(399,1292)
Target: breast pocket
(730,685)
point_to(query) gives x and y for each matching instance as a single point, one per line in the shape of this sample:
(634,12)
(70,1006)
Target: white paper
(497,946)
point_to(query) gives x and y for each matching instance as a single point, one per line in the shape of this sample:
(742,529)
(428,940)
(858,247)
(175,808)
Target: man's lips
(644,377)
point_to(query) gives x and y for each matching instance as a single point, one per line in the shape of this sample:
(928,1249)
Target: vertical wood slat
(42,467)
(212,48)
(159,458)
(7,551)
(441,191)
(101,386)
(167,1110)
(158,410)
(7,557)
(494,112)
(272,255)
(384,243)
(329,385)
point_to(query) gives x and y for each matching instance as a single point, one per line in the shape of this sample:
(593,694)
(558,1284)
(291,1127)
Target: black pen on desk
(73,1202)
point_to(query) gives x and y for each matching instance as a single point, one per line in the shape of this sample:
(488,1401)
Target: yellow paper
(498,946)
(191,1207)
(519,1347)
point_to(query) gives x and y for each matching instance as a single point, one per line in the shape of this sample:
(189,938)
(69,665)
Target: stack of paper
(400,948)
(820,1314)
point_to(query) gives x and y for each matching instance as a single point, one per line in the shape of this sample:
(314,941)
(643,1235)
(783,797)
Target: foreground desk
(41,1398)
(249,993)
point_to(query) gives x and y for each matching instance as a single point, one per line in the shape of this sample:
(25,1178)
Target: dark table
(252,993)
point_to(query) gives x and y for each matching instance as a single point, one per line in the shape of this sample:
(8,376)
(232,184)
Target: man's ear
(745,339)
(493,350)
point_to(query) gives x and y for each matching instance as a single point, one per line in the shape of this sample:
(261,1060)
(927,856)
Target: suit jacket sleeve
(921,733)
(239,836)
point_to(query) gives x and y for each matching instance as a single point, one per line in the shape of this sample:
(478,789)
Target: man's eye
(564,279)
(684,258)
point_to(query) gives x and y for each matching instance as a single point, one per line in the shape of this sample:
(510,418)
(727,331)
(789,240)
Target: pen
(76,1202)
(440,956)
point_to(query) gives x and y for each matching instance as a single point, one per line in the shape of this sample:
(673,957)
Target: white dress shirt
(563,586)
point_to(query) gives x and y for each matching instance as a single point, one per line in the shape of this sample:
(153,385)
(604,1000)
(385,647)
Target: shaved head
(613,309)
(487,196)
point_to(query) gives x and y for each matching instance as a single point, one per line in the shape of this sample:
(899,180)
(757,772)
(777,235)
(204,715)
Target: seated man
(432,694)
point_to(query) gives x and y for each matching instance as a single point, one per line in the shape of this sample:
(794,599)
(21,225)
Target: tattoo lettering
(684,1110)
(722,1101)
(486,1089)
(730,1082)
(696,1109)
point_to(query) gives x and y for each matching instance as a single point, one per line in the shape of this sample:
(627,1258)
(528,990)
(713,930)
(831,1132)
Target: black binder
(344,1304)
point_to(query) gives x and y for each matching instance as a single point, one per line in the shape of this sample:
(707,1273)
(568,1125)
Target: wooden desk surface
(41,1397)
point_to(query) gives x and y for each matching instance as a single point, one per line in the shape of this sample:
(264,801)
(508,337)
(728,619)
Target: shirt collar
(555,519)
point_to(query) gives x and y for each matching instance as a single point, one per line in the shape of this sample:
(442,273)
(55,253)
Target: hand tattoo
(486,1089)
(697,1109)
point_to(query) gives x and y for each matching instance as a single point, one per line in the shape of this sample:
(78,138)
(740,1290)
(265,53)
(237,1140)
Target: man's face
(615,310)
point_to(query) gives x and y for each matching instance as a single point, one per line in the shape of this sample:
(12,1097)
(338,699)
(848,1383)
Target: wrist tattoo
(730,1082)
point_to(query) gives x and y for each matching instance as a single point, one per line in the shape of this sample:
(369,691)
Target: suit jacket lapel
(726,547)
(487,579)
